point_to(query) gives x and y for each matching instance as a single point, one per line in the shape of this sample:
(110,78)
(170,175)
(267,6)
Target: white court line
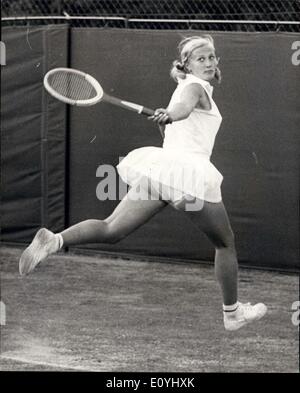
(42,363)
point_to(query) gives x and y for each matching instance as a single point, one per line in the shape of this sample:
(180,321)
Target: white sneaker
(244,314)
(44,243)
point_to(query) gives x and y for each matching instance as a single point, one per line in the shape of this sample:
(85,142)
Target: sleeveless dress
(182,166)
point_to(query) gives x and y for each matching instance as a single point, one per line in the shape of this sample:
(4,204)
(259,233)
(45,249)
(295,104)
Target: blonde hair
(185,48)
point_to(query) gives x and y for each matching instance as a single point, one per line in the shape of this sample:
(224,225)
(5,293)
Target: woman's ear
(217,60)
(188,69)
(218,75)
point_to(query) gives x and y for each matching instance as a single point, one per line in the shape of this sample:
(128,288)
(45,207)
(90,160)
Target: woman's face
(203,62)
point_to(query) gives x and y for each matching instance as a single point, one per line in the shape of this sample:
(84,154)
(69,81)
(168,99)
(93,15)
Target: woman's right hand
(161,117)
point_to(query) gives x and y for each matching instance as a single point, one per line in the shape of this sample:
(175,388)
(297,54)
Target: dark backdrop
(33,140)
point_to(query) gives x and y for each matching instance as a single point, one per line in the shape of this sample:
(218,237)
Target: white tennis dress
(182,165)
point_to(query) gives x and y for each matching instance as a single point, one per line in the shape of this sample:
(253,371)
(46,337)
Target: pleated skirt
(172,173)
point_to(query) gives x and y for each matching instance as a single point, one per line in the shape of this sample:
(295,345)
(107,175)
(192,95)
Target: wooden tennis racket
(75,87)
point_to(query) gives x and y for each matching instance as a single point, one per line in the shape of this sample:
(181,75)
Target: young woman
(180,173)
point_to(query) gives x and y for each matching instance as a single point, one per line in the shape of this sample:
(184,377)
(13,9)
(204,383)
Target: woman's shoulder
(193,83)
(194,79)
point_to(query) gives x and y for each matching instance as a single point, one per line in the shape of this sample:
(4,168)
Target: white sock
(231,309)
(60,240)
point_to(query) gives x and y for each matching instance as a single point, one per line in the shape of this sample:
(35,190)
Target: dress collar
(203,82)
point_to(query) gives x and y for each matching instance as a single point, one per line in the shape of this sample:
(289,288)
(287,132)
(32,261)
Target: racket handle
(147,111)
(127,105)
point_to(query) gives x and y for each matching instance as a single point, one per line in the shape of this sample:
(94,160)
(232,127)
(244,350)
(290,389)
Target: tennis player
(179,173)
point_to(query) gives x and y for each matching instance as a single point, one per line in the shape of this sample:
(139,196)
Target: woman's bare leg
(213,220)
(127,216)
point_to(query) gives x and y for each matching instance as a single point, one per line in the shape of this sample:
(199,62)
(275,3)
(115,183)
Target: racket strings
(72,86)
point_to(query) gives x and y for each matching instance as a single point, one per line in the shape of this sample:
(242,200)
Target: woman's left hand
(161,117)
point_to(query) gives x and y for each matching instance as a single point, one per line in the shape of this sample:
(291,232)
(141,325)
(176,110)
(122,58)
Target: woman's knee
(103,230)
(112,233)
(223,239)
(227,240)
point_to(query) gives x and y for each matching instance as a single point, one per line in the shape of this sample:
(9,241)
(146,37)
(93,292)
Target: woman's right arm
(189,98)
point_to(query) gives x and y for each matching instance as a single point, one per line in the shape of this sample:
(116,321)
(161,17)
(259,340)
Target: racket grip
(147,111)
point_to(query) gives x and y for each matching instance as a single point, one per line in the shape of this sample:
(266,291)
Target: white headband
(193,44)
